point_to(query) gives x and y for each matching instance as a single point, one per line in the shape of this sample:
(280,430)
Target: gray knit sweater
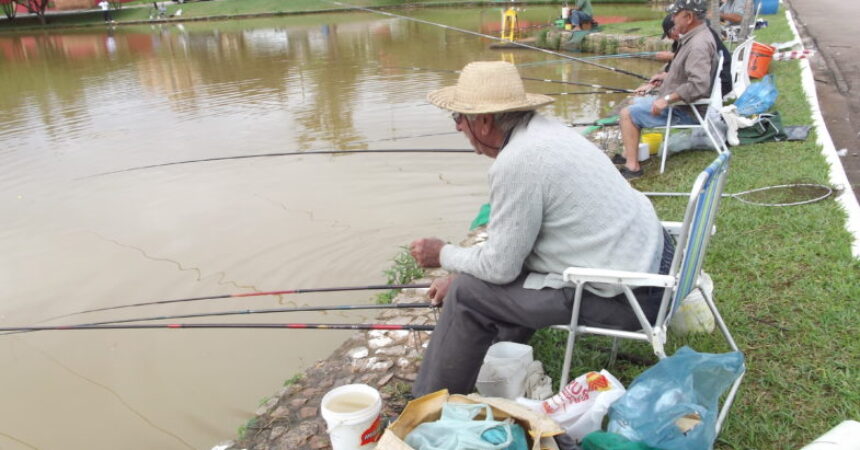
(557,202)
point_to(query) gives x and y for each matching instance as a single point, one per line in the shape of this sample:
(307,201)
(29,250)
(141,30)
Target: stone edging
(385,360)
(837,174)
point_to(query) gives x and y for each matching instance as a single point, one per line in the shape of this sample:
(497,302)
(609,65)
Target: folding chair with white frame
(693,235)
(714,103)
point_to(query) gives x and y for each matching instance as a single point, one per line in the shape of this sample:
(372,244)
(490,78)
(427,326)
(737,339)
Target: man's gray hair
(507,121)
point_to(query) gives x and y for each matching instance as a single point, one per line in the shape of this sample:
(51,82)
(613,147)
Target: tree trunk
(748,23)
(714,15)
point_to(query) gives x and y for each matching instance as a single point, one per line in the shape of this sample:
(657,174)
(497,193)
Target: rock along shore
(386,360)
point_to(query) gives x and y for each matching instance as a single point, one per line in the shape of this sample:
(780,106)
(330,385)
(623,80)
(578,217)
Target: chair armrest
(674,228)
(578,275)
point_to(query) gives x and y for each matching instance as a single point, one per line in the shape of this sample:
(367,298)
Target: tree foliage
(10,8)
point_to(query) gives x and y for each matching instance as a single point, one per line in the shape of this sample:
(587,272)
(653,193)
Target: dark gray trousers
(476,313)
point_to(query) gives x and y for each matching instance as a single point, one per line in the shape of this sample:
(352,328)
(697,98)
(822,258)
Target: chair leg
(571,336)
(666,142)
(730,398)
(613,354)
(704,122)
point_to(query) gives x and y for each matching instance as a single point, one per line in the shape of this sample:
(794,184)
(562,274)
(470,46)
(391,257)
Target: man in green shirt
(582,12)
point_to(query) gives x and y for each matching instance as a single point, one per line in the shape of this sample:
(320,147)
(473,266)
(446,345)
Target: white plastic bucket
(351,413)
(644,152)
(504,371)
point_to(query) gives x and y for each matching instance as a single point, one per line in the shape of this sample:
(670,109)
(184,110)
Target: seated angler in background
(581,13)
(688,79)
(556,202)
(732,11)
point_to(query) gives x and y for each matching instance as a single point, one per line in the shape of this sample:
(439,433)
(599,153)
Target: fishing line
(475,33)
(295,326)
(576,83)
(798,193)
(372,287)
(272,155)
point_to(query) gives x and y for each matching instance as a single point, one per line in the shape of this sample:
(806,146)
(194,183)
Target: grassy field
(785,282)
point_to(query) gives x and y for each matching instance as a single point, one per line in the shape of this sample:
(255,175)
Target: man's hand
(658,106)
(643,89)
(664,56)
(658,78)
(426,251)
(438,290)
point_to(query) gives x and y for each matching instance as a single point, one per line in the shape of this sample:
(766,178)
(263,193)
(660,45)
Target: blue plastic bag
(757,98)
(457,429)
(686,384)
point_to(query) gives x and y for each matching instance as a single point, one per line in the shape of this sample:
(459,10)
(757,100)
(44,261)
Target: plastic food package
(757,98)
(674,404)
(693,314)
(581,405)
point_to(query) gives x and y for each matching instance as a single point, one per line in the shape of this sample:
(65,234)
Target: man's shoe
(631,174)
(618,159)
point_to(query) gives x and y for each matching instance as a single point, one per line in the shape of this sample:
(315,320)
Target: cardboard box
(428,408)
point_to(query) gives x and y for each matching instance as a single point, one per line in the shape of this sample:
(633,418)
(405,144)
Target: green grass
(785,282)
(403,270)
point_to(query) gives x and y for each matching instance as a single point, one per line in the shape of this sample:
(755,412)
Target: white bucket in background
(352,415)
(504,371)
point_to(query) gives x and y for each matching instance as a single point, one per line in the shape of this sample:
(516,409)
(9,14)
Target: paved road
(831,28)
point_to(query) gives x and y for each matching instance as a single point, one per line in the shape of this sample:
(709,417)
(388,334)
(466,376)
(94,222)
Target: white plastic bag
(581,405)
(693,314)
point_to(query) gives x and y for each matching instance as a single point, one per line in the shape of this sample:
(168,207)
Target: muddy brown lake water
(80,103)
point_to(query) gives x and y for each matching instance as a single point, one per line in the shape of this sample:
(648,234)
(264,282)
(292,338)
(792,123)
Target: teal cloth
(604,440)
(458,429)
(482,218)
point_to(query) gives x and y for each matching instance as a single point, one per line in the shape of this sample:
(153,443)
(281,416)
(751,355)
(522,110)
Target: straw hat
(487,87)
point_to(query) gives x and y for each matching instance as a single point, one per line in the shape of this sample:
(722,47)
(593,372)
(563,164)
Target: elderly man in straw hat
(556,201)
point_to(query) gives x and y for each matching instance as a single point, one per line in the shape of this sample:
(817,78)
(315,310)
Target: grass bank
(138,12)
(785,281)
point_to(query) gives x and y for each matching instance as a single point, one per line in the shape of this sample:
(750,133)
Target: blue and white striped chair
(692,237)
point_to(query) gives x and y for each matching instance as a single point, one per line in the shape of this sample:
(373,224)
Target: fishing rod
(613,56)
(372,287)
(417,305)
(475,33)
(253,311)
(605,122)
(583,93)
(271,155)
(298,326)
(576,83)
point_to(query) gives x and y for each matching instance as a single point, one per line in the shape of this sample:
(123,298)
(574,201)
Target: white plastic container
(644,152)
(352,415)
(504,371)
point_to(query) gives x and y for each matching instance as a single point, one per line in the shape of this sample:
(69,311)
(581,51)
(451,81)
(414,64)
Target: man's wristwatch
(668,98)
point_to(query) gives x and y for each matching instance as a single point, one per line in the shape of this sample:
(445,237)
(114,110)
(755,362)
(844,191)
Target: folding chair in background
(714,104)
(740,69)
(692,237)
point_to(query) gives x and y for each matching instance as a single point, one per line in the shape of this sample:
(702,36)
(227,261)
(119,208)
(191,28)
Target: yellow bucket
(653,140)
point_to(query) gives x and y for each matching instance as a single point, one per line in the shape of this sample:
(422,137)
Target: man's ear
(485,123)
